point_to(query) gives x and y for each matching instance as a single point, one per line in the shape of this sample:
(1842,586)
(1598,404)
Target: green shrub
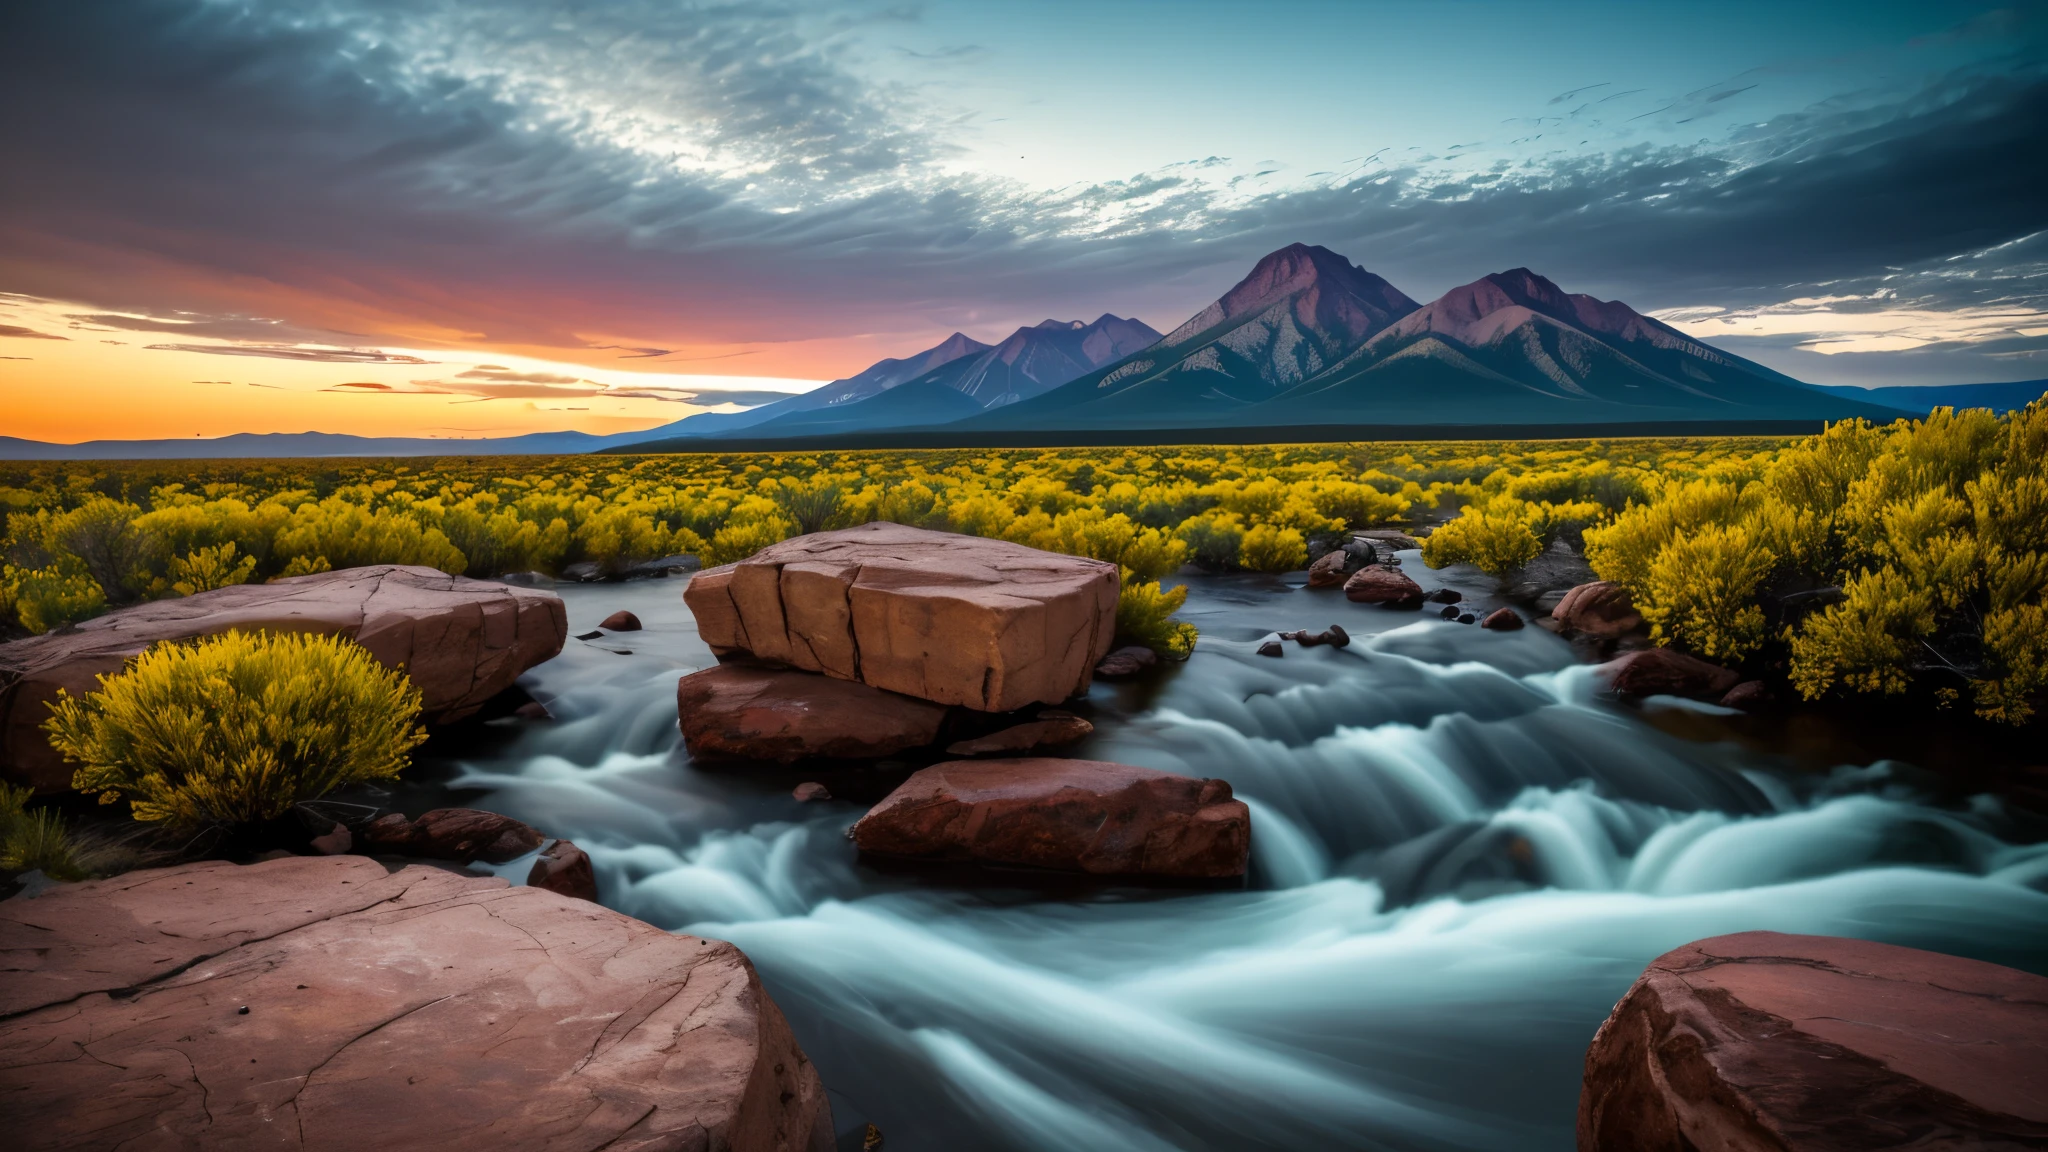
(35,840)
(1144,615)
(237,728)
(1496,541)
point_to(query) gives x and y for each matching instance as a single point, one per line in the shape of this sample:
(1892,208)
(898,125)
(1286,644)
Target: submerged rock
(323,1003)
(1074,815)
(461,641)
(1601,608)
(620,621)
(1667,672)
(1049,730)
(458,834)
(1272,648)
(749,711)
(1503,620)
(1749,696)
(810,790)
(1378,585)
(565,869)
(1126,662)
(953,619)
(1764,1041)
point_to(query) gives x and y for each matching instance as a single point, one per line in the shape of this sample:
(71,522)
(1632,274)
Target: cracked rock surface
(1762,1040)
(462,641)
(948,618)
(327,1003)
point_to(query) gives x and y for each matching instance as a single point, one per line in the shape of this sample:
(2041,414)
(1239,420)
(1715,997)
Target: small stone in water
(1449,613)
(589,635)
(620,621)
(1338,636)
(1446,596)
(811,790)
(1468,618)
(1272,648)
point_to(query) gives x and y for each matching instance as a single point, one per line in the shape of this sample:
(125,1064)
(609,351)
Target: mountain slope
(871,381)
(1300,310)
(1028,362)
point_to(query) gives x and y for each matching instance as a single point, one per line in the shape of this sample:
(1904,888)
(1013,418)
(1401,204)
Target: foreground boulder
(1667,672)
(1073,815)
(1763,1041)
(1377,585)
(1332,568)
(948,618)
(750,711)
(1601,608)
(323,1003)
(461,641)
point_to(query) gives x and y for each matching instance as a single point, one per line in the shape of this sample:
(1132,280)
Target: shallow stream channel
(1463,854)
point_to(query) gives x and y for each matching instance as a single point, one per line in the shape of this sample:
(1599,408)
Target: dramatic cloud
(28,333)
(287,352)
(647,177)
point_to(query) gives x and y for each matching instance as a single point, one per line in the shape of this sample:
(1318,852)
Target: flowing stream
(1462,856)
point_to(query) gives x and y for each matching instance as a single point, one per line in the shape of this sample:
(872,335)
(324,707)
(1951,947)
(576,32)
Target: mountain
(1027,363)
(281,445)
(1924,399)
(1309,339)
(1299,311)
(871,381)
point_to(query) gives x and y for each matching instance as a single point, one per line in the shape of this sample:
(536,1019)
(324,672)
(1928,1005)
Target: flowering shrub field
(1932,530)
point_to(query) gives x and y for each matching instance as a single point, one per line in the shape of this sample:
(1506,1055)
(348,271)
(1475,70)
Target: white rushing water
(1462,858)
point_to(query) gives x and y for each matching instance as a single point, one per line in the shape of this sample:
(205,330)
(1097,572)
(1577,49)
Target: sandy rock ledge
(327,1003)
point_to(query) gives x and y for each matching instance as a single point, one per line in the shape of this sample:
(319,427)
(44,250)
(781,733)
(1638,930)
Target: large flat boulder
(948,618)
(751,711)
(1073,815)
(462,641)
(325,1003)
(1764,1041)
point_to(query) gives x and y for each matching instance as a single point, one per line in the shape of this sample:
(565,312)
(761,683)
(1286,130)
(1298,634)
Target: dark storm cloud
(414,159)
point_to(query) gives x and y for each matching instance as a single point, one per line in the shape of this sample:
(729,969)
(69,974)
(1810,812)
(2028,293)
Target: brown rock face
(749,711)
(1074,815)
(1763,1042)
(565,870)
(1664,672)
(953,619)
(1376,585)
(322,1003)
(459,834)
(1126,662)
(1502,620)
(1049,730)
(1330,570)
(462,641)
(1600,609)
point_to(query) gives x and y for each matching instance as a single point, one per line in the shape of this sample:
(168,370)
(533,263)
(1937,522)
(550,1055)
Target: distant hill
(1922,400)
(253,446)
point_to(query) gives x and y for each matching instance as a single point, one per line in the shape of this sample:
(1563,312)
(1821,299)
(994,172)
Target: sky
(444,218)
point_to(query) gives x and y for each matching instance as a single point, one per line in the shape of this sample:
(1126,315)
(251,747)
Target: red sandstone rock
(564,869)
(1665,672)
(1048,730)
(620,621)
(745,710)
(942,617)
(323,1003)
(459,834)
(1763,1042)
(1749,696)
(1377,585)
(1503,620)
(1602,609)
(810,790)
(1330,570)
(1126,662)
(461,641)
(1076,815)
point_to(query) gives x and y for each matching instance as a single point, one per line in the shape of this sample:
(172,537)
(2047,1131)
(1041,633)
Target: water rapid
(1462,857)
